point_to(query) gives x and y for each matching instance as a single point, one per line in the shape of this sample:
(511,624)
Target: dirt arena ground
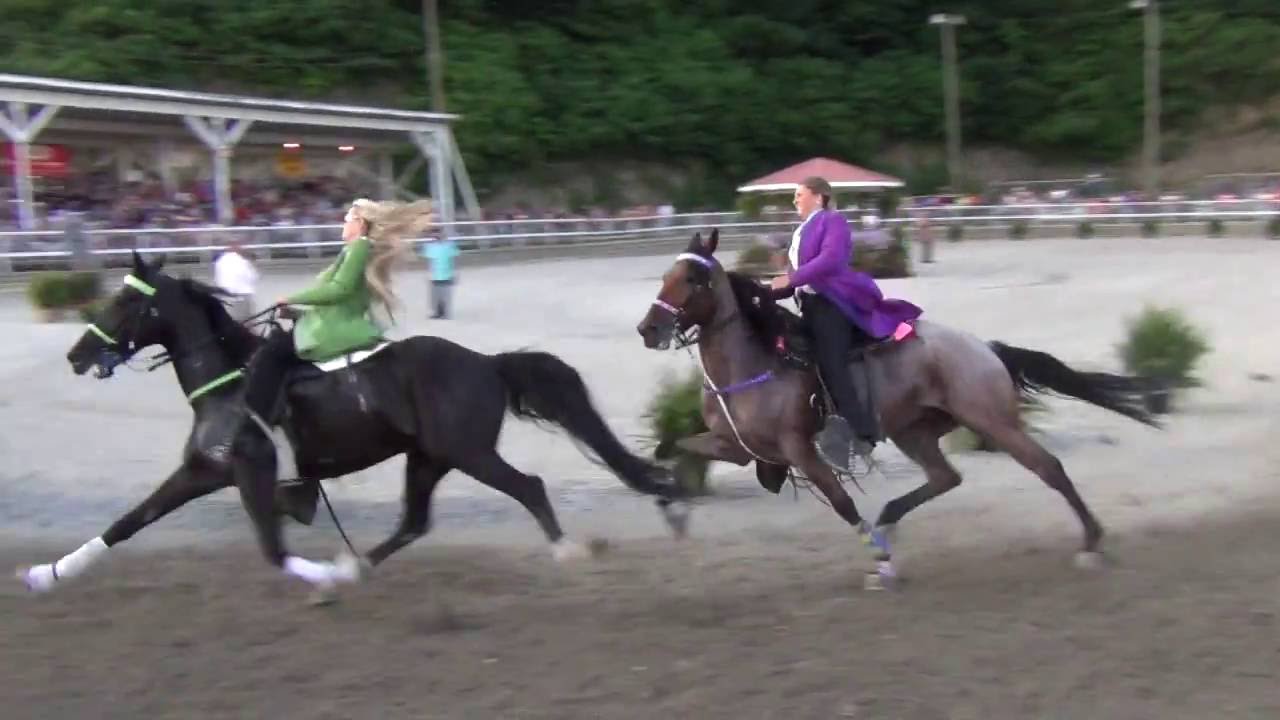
(762,613)
(1183,625)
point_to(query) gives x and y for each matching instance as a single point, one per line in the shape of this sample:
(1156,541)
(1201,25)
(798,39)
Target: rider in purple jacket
(837,303)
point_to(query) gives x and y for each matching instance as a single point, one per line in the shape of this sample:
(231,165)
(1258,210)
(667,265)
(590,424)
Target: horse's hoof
(348,568)
(598,546)
(36,582)
(322,596)
(676,516)
(1088,560)
(875,582)
(568,551)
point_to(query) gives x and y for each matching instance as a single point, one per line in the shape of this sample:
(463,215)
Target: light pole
(951,91)
(1151,72)
(435,54)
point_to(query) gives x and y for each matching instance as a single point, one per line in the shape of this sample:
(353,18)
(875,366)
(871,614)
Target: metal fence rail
(23,251)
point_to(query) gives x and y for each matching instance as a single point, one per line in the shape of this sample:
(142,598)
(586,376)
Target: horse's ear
(695,245)
(714,242)
(139,265)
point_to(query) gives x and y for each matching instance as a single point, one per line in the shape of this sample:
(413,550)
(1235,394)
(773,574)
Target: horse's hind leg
(421,475)
(488,467)
(1031,455)
(181,487)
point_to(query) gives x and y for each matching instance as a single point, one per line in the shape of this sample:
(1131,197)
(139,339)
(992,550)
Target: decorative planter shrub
(1165,347)
(675,412)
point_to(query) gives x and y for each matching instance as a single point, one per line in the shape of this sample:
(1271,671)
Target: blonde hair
(390,225)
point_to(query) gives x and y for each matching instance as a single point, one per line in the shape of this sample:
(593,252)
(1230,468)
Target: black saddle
(795,345)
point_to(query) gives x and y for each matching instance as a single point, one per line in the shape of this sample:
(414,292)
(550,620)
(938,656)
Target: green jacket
(338,321)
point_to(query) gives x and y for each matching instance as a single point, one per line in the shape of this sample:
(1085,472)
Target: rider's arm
(832,257)
(340,284)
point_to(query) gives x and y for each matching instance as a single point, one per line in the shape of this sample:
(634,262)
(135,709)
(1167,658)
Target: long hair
(390,225)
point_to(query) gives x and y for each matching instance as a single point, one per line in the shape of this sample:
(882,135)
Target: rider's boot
(286,466)
(296,497)
(835,442)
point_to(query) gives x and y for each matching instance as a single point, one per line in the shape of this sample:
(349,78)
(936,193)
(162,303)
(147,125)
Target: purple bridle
(677,312)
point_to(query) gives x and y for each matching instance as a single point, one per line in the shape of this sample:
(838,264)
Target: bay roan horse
(438,403)
(759,409)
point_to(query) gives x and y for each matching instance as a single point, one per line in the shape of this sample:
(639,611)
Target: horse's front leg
(181,487)
(714,447)
(255,475)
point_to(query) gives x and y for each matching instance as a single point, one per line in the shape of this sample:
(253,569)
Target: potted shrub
(1084,230)
(751,207)
(675,412)
(1163,346)
(1150,228)
(52,293)
(955,231)
(1019,230)
(1216,228)
(962,439)
(1273,227)
(89,312)
(755,259)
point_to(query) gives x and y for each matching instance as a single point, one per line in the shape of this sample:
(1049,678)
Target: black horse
(440,404)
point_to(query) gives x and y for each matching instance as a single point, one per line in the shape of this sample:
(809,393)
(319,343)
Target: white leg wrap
(77,562)
(42,578)
(313,572)
(566,550)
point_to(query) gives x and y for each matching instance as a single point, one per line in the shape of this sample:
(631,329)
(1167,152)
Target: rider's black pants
(833,335)
(266,373)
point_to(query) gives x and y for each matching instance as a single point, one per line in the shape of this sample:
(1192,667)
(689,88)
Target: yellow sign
(291,165)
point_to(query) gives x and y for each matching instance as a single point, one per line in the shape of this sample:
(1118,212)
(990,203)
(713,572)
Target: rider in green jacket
(337,319)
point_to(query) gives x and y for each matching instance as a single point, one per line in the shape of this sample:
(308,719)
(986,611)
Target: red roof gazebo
(840,175)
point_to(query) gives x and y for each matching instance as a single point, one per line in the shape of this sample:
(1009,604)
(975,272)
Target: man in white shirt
(233,272)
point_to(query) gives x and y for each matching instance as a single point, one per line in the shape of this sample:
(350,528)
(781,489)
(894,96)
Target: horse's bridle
(683,338)
(117,353)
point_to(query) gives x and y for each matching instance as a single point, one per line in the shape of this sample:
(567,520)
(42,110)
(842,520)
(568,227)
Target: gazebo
(775,189)
(842,176)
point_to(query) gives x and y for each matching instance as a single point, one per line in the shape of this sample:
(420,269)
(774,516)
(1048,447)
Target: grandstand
(56,128)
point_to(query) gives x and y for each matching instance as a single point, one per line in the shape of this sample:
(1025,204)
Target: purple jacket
(825,250)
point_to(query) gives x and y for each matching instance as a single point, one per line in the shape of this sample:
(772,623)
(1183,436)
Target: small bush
(1084,230)
(1163,345)
(675,412)
(90,312)
(755,258)
(962,439)
(955,232)
(1215,228)
(1150,228)
(47,290)
(751,207)
(894,261)
(63,289)
(1273,227)
(1019,230)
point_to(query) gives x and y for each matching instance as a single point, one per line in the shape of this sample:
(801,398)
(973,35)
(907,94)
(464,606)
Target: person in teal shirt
(441,253)
(337,318)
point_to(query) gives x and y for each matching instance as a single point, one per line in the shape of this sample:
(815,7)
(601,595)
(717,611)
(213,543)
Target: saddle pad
(349,359)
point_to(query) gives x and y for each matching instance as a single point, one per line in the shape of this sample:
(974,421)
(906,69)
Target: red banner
(46,160)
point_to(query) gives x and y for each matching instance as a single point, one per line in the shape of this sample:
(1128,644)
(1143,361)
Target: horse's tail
(542,387)
(1033,371)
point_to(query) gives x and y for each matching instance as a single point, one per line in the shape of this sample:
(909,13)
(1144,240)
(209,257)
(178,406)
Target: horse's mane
(237,340)
(757,305)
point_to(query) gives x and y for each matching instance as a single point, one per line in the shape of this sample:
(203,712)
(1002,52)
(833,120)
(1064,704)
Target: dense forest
(736,86)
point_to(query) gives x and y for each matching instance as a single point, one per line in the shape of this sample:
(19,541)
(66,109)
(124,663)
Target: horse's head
(132,320)
(685,298)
